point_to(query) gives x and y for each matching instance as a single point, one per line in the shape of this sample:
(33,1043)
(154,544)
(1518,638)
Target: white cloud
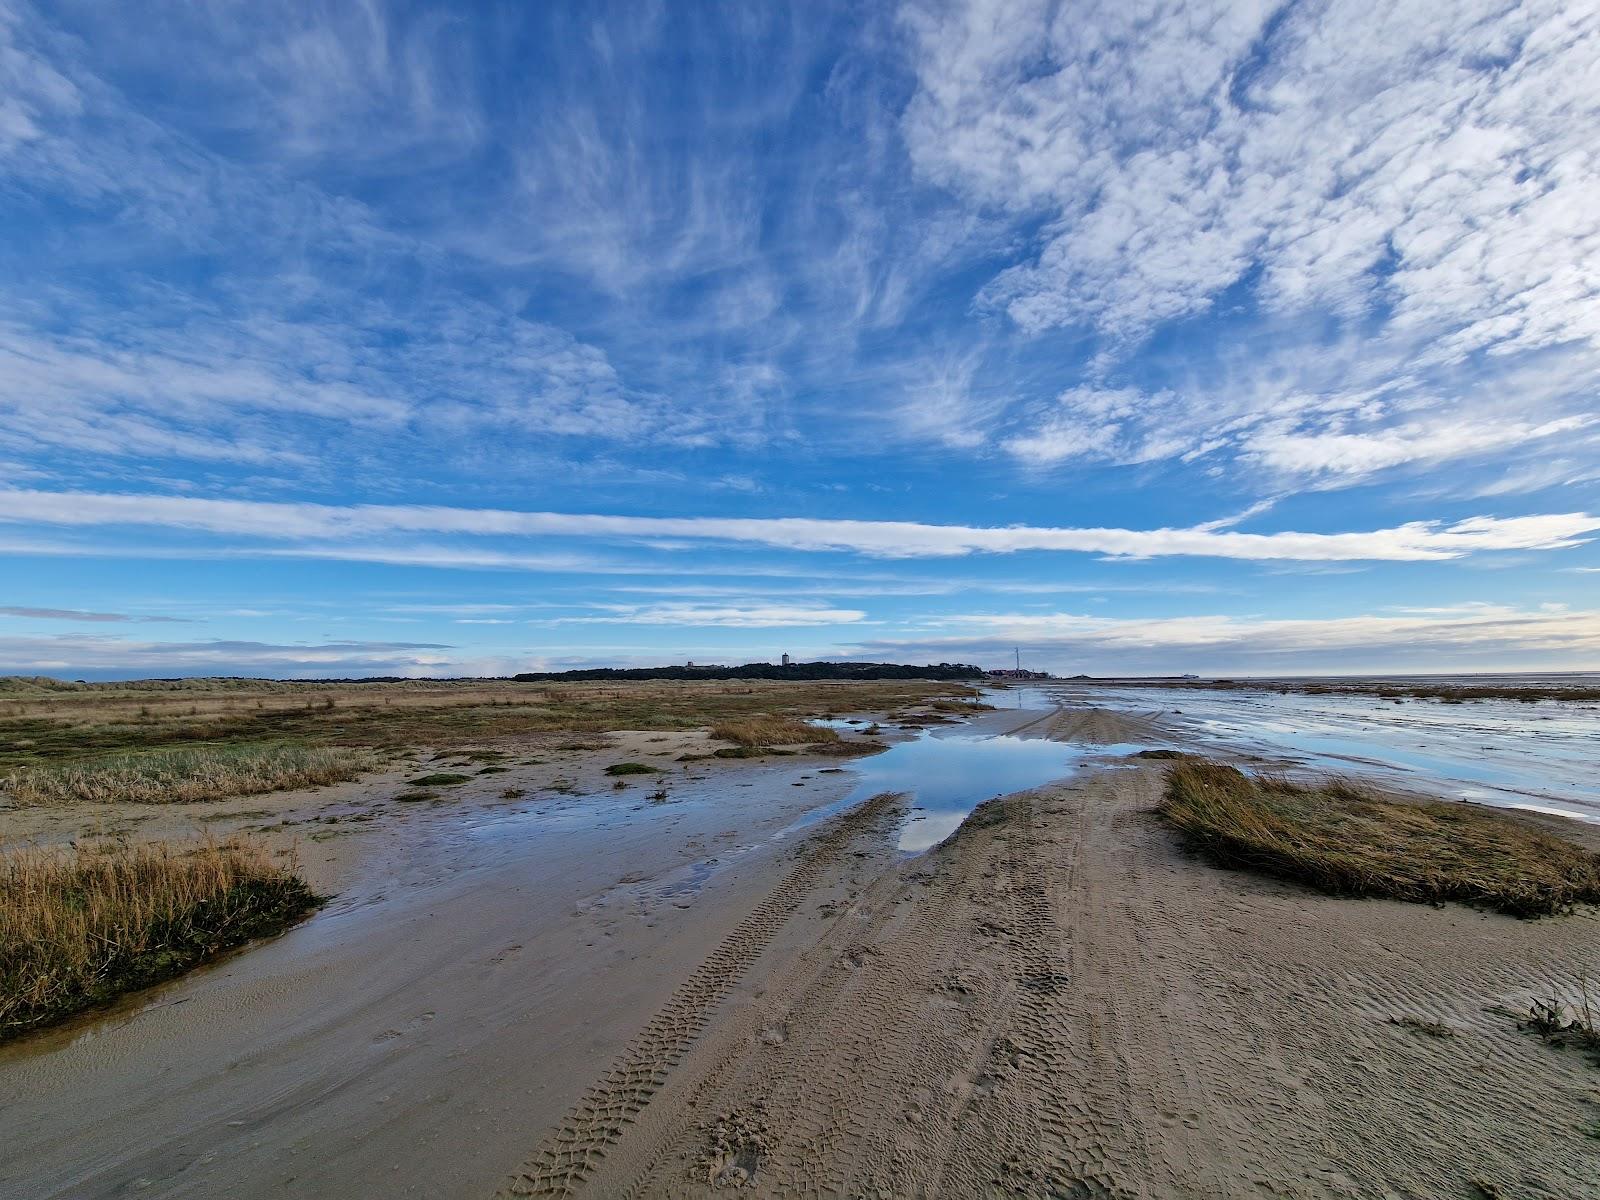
(744,616)
(1177,145)
(1488,636)
(316,307)
(1354,454)
(1419,177)
(115,384)
(1415,541)
(69,654)
(1085,422)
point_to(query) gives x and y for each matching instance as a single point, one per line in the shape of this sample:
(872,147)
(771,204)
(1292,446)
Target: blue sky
(457,339)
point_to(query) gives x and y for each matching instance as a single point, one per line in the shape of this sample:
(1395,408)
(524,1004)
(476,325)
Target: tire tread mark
(572,1151)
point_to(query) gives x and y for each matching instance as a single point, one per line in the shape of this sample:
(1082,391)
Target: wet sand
(598,994)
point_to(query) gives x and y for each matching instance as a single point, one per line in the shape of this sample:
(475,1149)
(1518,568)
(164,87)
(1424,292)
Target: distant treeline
(809,670)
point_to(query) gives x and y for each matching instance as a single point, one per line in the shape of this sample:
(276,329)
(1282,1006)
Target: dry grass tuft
(772,731)
(1562,1023)
(186,774)
(1342,840)
(80,927)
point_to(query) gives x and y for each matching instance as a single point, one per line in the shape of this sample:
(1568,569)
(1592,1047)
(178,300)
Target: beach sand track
(1095,726)
(571,1153)
(1059,1002)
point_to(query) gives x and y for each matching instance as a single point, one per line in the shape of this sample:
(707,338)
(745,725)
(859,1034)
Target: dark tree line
(808,671)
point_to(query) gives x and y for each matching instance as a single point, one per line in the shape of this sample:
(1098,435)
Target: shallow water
(1535,756)
(948,774)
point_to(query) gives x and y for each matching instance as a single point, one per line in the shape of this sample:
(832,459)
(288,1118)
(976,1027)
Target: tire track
(572,1152)
(884,1045)
(1019,1142)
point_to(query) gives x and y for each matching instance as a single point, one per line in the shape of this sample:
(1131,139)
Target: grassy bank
(1341,840)
(81,927)
(185,774)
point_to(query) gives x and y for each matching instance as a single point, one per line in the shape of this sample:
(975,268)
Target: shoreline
(1448,689)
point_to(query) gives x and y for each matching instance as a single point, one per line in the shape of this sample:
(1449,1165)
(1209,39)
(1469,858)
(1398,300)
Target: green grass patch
(186,774)
(79,927)
(1341,840)
(631,768)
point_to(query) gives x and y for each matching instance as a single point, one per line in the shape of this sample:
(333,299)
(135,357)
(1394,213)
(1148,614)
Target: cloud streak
(101,656)
(744,616)
(1485,636)
(76,614)
(1417,541)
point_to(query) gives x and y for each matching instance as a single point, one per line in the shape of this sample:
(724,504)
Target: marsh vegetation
(184,774)
(80,926)
(1341,839)
(183,740)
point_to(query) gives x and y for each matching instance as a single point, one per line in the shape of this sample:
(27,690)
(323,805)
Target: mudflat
(594,992)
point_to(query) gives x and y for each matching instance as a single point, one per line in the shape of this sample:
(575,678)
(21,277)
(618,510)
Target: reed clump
(186,774)
(772,731)
(1340,839)
(81,926)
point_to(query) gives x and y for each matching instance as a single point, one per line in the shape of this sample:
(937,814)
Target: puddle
(947,777)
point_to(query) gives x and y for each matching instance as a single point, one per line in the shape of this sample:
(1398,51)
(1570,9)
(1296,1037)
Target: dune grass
(186,774)
(765,730)
(79,927)
(1341,840)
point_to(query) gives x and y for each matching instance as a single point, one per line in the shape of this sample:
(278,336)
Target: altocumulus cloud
(1420,173)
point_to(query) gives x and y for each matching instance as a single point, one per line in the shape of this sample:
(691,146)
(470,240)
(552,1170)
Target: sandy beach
(591,992)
